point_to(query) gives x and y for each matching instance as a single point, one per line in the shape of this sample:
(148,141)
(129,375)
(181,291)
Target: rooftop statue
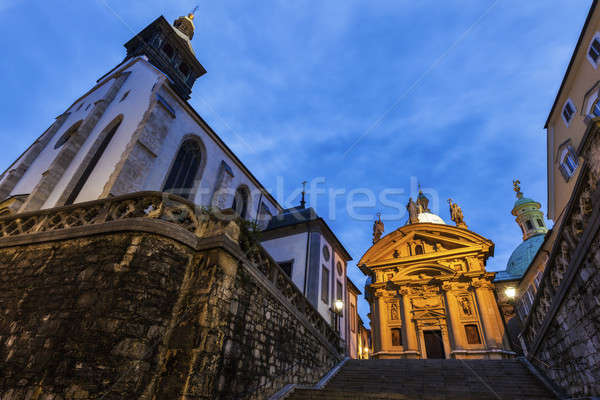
(377,229)
(456,215)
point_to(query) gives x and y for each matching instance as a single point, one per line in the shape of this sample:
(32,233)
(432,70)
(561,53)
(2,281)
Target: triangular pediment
(422,242)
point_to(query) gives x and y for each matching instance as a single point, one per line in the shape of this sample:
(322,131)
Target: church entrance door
(434,344)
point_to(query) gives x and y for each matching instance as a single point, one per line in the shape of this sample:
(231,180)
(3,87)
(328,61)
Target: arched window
(68,133)
(418,249)
(185,169)
(108,132)
(529,225)
(240,201)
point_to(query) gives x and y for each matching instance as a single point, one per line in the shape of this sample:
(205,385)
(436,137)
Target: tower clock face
(326,254)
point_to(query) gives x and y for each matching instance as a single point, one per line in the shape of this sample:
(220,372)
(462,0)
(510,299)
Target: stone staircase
(430,380)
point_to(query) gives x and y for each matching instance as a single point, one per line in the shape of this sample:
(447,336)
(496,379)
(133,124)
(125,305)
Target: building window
(185,169)
(352,317)
(68,133)
(124,96)
(596,108)
(540,223)
(326,253)
(568,162)
(472,334)
(287,267)
(594,52)
(396,337)
(264,216)
(168,50)
(325,284)
(340,269)
(79,108)
(110,130)
(568,111)
(418,249)
(240,201)
(185,70)
(529,225)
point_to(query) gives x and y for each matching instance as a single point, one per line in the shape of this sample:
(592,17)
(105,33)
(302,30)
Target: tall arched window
(68,133)
(240,201)
(185,169)
(108,133)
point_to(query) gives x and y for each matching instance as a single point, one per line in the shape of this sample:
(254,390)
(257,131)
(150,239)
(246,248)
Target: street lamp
(510,292)
(338,306)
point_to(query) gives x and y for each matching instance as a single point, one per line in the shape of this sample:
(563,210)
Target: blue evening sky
(453,93)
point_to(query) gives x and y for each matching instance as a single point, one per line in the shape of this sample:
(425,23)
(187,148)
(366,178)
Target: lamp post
(338,307)
(510,292)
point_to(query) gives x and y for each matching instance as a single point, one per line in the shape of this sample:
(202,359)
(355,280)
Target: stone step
(315,394)
(430,379)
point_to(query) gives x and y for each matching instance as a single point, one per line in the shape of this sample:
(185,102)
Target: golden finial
(517,188)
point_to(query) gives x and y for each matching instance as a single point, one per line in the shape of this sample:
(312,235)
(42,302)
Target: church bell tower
(168,47)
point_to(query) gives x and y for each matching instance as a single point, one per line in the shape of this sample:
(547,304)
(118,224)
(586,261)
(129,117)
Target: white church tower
(134,131)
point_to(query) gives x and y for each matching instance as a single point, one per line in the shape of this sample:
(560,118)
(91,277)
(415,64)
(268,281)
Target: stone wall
(561,335)
(148,310)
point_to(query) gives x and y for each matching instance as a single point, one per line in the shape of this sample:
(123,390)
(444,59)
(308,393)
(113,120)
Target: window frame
(244,193)
(595,38)
(67,134)
(325,284)
(199,173)
(569,103)
(287,262)
(469,337)
(399,330)
(566,152)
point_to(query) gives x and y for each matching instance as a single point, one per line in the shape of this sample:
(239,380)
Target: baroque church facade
(429,293)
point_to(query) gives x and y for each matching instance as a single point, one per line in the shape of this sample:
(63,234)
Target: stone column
(381,322)
(493,329)
(454,326)
(410,331)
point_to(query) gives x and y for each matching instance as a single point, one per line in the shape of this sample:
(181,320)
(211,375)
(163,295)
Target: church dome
(525,200)
(520,258)
(427,217)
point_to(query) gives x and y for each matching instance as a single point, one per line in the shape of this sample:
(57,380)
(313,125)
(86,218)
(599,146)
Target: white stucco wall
(44,159)
(183,126)
(140,84)
(288,248)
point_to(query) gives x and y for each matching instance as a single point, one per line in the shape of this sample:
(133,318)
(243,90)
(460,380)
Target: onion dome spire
(529,217)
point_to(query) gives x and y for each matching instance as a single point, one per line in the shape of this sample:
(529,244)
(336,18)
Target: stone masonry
(133,305)
(561,335)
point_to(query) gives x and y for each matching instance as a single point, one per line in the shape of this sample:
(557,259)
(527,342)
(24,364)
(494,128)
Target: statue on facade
(412,211)
(377,229)
(465,305)
(456,215)
(394,315)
